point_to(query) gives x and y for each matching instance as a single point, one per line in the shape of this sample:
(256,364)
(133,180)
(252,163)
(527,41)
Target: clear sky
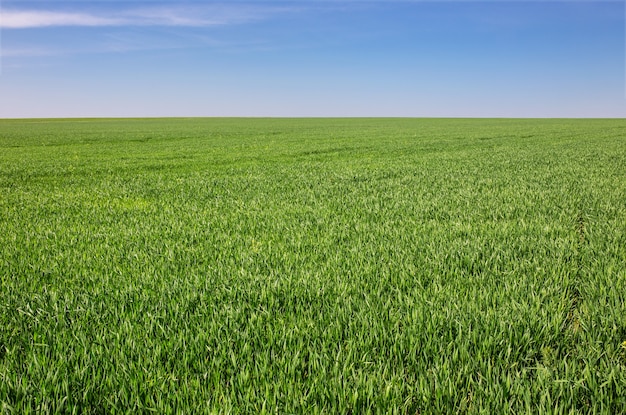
(313,58)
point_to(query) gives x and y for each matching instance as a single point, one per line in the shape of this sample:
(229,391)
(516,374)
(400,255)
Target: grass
(338,266)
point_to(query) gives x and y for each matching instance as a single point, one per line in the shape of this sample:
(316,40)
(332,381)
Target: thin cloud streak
(191,16)
(26,19)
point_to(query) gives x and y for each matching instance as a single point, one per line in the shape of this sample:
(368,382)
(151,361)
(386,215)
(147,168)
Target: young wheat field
(308,266)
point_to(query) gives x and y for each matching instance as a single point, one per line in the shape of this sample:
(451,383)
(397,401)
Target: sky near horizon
(498,58)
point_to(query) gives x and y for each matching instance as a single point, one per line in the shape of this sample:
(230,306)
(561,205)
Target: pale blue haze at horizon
(325,58)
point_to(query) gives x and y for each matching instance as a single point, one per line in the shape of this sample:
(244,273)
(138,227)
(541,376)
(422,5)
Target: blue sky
(313,58)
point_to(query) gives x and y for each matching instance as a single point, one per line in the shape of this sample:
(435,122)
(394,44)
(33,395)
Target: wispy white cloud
(24,19)
(189,15)
(125,28)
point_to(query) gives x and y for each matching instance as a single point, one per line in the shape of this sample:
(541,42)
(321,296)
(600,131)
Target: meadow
(309,266)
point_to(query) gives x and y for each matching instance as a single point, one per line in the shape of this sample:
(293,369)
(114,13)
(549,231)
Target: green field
(338,266)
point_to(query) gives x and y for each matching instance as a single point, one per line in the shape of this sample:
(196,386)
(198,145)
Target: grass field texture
(338,266)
